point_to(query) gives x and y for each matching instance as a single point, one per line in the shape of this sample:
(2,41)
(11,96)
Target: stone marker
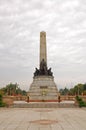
(43,87)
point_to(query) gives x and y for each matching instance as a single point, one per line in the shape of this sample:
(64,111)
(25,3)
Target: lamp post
(59,97)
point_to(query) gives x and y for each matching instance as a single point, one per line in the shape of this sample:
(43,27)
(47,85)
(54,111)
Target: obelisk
(43,48)
(43,87)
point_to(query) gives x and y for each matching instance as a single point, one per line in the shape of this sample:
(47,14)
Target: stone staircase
(44,105)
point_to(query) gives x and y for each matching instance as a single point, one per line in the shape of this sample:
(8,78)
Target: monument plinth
(43,87)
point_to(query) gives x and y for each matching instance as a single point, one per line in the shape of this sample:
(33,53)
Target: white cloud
(20,24)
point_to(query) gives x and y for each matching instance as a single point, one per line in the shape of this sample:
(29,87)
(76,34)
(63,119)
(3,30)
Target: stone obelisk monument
(43,87)
(43,50)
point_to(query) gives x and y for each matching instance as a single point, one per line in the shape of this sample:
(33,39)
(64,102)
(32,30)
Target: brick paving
(42,119)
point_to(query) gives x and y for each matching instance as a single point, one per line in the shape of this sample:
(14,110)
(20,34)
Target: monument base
(43,89)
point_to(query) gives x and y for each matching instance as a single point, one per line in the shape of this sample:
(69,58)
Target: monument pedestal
(43,88)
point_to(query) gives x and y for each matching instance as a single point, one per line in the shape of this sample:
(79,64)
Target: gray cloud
(20,24)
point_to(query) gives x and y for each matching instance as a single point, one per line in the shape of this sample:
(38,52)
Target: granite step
(45,105)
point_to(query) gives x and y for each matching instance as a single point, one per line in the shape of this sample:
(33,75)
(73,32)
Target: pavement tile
(42,119)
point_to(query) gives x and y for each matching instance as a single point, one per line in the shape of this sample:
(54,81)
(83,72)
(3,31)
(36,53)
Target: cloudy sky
(20,24)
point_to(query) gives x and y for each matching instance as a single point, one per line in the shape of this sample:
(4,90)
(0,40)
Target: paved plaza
(42,119)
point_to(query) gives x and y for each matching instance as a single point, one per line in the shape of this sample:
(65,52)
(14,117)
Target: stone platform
(69,104)
(42,119)
(43,88)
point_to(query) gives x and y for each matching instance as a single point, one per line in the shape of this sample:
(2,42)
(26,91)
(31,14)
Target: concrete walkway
(42,119)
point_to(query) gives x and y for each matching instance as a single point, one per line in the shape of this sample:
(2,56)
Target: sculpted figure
(49,72)
(43,68)
(36,72)
(43,64)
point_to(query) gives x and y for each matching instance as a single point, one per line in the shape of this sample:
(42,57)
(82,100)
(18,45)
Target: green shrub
(0,98)
(78,98)
(80,102)
(1,102)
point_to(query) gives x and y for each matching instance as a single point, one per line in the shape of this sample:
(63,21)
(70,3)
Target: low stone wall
(20,98)
(72,98)
(67,97)
(10,99)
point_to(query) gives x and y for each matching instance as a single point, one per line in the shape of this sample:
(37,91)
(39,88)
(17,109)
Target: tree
(78,89)
(84,87)
(12,89)
(64,91)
